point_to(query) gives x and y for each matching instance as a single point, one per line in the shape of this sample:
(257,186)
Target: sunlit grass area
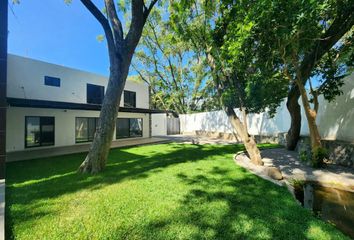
(167,191)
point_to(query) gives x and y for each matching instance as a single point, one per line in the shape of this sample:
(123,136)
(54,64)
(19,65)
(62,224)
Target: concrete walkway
(197,139)
(292,168)
(78,148)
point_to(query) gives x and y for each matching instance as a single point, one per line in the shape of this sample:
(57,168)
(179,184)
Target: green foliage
(318,157)
(176,74)
(165,191)
(279,34)
(297,184)
(304,156)
(334,66)
(100,38)
(224,36)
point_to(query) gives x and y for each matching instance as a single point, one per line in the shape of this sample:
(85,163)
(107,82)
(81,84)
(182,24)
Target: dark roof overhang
(35,103)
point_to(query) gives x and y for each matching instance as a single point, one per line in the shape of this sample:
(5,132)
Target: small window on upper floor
(129,99)
(52,81)
(94,94)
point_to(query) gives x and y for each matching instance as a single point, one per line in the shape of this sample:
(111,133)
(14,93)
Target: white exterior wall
(158,124)
(64,125)
(335,120)
(26,80)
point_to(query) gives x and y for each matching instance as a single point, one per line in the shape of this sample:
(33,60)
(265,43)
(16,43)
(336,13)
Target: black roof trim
(35,103)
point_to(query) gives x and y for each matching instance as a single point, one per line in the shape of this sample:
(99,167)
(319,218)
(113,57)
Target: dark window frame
(136,136)
(96,99)
(88,128)
(52,81)
(40,130)
(128,97)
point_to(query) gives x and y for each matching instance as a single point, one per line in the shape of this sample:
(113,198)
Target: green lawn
(167,191)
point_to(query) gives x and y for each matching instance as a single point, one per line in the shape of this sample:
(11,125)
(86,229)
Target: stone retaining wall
(340,152)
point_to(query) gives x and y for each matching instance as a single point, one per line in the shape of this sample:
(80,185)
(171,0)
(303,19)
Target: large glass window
(122,128)
(85,129)
(136,127)
(129,99)
(39,131)
(94,94)
(129,127)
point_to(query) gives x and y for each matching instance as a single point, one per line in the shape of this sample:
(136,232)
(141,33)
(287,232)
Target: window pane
(81,130)
(32,132)
(91,128)
(47,133)
(129,99)
(94,94)
(122,128)
(136,127)
(52,81)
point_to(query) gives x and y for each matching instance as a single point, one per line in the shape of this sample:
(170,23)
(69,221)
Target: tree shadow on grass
(233,207)
(48,178)
(221,203)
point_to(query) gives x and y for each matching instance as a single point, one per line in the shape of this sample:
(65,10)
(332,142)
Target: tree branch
(148,10)
(334,33)
(105,25)
(114,20)
(342,24)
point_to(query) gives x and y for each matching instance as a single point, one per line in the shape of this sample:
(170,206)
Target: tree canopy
(176,74)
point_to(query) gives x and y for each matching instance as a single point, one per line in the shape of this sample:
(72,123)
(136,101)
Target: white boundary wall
(158,124)
(335,119)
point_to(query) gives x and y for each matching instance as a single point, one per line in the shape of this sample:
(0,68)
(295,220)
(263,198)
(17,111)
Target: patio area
(57,151)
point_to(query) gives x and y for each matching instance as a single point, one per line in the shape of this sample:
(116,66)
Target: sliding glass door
(39,131)
(129,127)
(85,128)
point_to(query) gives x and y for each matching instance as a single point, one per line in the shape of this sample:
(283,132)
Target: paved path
(292,168)
(197,139)
(57,151)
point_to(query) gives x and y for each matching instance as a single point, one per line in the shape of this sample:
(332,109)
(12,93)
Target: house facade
(51,105)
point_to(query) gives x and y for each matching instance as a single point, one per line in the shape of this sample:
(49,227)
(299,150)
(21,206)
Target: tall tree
(214,31)
(305,42)
(176,75)
(334,21)
(121,48)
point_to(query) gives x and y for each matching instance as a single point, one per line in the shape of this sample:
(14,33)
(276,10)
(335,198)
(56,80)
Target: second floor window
(129,99)
(94,94)
(52,81)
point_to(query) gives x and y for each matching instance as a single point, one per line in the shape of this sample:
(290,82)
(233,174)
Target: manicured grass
(167,191)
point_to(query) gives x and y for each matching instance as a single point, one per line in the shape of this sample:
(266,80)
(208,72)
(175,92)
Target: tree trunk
(249,142)
(120,51)
(95,160)
(295,116)
(311,115)
(340,26)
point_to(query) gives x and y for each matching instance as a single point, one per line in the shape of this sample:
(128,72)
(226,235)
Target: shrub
(318,156)
(303,156)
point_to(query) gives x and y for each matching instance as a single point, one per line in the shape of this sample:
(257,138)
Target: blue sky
(55,32)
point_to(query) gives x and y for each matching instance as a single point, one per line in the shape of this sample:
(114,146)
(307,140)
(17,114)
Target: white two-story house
(51,106)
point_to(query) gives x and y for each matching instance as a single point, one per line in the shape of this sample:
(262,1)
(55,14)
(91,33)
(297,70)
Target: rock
(267,162)
(274,173)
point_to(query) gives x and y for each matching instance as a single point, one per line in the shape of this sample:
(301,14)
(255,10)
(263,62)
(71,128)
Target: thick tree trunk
(340,26)
(95,160)
(120,51)
(311,115)
(249,142)
(295,116)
